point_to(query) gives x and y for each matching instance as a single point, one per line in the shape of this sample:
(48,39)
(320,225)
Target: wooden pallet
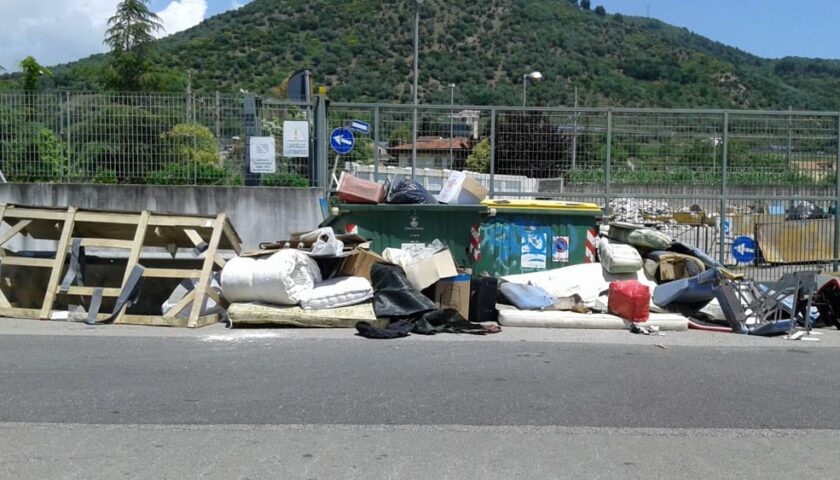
(132,231)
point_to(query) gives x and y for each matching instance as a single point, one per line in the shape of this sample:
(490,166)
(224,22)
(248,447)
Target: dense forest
(362,50)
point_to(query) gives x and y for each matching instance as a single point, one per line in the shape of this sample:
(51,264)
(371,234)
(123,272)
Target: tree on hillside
(600,11)
(32,71)
(527,143)
(130,35)
(585,4)
(573,2)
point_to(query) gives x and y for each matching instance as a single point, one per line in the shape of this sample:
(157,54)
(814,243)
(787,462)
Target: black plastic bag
(393,296)
(806,211)
(408,191)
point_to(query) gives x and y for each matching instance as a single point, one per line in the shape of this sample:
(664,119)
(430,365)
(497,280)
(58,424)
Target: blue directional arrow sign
(359,126)
(743,249)
(342,141)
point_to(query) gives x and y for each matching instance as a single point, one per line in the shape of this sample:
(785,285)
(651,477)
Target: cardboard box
(454,293)
(460,188)
(360,263)
(429,270)
(357,190)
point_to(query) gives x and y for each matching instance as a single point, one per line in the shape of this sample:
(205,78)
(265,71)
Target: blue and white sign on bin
(342,141)
(743,249)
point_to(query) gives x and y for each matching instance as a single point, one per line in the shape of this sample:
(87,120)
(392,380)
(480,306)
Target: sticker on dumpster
(561,249)
(743,249)
(534,249)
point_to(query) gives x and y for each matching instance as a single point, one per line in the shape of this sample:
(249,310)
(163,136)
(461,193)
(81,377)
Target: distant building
(433,152)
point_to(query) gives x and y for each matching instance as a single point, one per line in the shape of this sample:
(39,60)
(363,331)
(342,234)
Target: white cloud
(52,31)
(235,4)
(61,31)
(181,15)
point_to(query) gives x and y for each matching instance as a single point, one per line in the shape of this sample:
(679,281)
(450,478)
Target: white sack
(284,278)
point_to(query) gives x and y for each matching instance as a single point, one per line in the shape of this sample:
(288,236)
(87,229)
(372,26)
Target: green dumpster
(522,236)
(498,237)
(393,226)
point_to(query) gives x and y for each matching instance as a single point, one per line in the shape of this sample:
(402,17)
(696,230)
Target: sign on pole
(359,126)
(295,139)
(743,249)
(263,153)
(342,141)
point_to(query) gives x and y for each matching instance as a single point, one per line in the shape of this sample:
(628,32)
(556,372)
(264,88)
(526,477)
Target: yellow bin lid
(555,205)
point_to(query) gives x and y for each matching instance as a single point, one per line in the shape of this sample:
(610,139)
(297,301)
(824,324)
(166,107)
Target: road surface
(135,402)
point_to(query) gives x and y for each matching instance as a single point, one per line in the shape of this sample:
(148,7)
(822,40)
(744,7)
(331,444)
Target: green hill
(362,50)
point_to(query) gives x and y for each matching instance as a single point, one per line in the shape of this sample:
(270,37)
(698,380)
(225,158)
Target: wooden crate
(135,232)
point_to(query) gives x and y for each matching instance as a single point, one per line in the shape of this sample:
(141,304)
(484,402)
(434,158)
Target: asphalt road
(255,404)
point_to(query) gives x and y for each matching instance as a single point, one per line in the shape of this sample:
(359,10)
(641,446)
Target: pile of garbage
(639,279)
(459,188)
(635,210)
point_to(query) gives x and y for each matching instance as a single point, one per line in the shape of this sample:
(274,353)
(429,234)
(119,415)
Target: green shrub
(283,180)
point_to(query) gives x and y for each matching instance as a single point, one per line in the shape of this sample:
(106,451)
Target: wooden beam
(29,262)
(124,218)
(209,260)
(88,291)
(171,273)
(194,237)
(11,232)
(33,313)
(106,243)
(35,213)
(182,304)
(134,255)
(58,264)
(232,237)
(180,221)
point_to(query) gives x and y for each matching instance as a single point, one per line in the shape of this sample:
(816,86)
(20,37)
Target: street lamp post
(533,76)
(451,87)
(417,4)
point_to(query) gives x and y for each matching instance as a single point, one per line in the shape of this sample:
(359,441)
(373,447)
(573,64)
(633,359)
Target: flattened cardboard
(360,263)
(454,293)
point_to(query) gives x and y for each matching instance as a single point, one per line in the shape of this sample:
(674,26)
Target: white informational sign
(263,153)
(295,138)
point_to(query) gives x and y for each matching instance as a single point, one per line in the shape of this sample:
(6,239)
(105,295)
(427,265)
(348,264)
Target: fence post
(608,167)
(66,168)
(376,142)
(724,189)
(836,253)
(492,152)
(414,142)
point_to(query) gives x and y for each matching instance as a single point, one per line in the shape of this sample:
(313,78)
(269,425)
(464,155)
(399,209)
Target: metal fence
(722,180)
(712,177)
(141,138)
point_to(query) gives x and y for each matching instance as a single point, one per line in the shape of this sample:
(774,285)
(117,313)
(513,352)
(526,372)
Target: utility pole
(417,4)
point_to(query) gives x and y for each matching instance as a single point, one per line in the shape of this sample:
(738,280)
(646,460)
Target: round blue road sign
(342,141)
(743,249)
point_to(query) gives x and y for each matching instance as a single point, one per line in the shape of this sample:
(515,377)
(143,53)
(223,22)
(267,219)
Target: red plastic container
(629,300)
(357,190)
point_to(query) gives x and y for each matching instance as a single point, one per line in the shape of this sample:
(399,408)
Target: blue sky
(767,28)
(59,31)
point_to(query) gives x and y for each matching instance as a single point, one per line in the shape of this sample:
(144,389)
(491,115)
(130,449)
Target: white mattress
(512,317)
